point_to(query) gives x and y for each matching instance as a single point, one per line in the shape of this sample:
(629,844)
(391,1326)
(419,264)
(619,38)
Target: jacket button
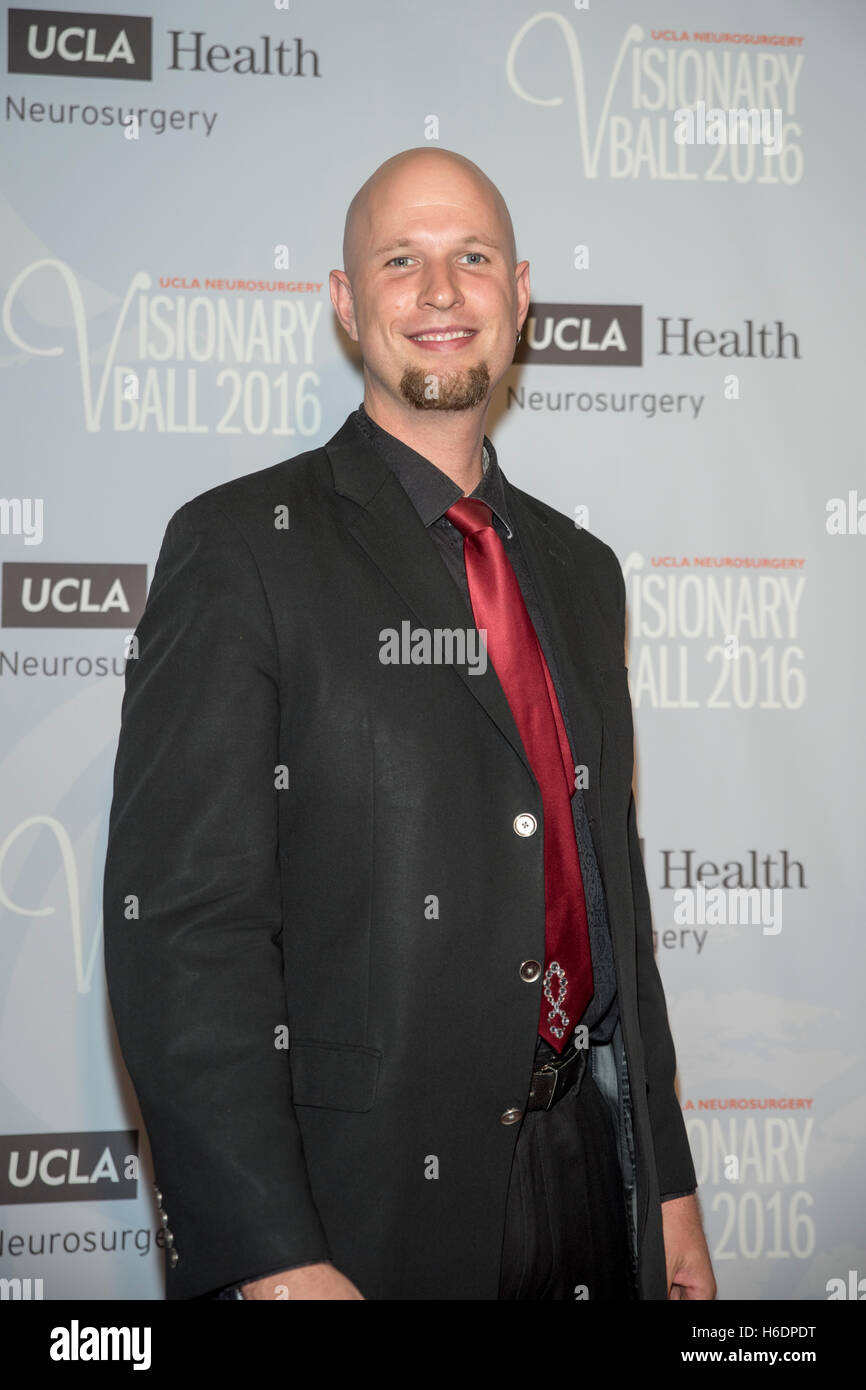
(530,970)
(511,1117)
(173,1258)
(525,824)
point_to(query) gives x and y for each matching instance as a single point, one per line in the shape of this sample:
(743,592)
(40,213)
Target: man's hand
(689,1272)
(310,1282)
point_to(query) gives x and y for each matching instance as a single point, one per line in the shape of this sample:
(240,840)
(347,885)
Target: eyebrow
(403,242)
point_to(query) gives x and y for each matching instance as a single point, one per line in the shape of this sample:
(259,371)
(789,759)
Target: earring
(518,337)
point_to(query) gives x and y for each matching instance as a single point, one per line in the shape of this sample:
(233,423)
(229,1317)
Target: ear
(343,301)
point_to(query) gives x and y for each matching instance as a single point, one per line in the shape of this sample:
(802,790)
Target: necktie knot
(469,515)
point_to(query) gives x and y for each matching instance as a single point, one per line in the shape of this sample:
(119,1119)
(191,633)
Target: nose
(440,288)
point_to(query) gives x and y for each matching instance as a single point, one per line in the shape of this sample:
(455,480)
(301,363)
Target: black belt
(553,1078)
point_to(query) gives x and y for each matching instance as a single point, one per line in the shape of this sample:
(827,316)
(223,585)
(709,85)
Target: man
(378,935)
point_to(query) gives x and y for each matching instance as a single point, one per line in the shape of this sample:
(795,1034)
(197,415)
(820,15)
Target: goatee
(463,389)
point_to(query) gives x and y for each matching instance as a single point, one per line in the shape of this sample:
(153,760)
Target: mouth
(444,339)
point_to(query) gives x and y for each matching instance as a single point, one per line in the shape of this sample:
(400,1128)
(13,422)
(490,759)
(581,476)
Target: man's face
(436,297)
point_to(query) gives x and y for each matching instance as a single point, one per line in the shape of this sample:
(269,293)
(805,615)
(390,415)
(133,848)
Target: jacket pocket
(334,1076)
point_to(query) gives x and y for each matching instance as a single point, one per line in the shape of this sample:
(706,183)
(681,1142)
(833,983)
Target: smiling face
(431,291)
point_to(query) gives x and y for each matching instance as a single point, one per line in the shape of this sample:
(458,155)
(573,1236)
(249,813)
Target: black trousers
(566,1235)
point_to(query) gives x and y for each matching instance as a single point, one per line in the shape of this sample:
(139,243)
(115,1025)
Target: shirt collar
(430,490)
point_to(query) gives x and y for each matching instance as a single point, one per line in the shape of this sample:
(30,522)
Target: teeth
(442,337)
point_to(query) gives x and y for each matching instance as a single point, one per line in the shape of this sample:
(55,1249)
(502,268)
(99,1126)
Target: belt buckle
(548,1073)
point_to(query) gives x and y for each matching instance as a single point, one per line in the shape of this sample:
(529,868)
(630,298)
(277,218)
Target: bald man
(387,995)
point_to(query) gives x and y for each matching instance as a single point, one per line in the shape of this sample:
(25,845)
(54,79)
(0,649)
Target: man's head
(429,249)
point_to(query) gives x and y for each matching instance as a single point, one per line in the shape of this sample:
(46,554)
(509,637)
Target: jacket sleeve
(674,1165)
(193,919)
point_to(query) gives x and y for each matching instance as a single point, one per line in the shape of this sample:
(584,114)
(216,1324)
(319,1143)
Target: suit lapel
(390,530)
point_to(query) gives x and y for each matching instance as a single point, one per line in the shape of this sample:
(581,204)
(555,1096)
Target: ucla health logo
(88,1167)
(63,43)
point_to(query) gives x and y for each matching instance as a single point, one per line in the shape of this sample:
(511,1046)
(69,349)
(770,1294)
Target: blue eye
(479,254)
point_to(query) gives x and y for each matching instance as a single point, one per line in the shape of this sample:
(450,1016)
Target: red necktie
(518,660)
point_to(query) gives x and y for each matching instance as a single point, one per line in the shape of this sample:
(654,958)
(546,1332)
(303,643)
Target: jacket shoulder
(592,554)
(245,498)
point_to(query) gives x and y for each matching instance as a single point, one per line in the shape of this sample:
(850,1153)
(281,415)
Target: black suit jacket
(309,847)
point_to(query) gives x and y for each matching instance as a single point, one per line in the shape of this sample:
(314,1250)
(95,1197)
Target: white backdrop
(172,204)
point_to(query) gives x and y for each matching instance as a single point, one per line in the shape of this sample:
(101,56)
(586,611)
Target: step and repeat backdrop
(689,387)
